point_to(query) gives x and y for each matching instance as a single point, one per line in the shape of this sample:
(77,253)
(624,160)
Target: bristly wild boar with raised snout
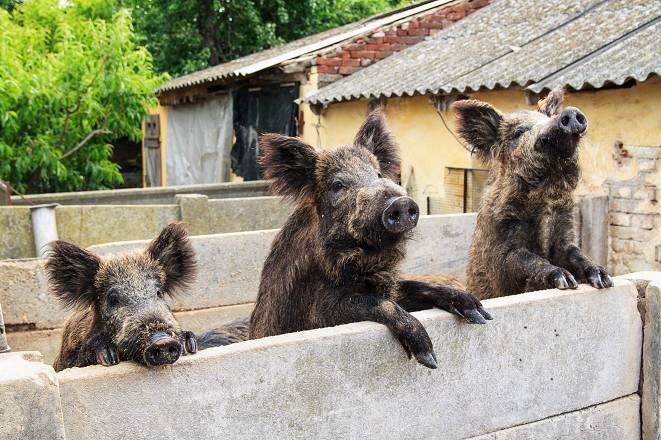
(120,308)
(336,260)
(524,238)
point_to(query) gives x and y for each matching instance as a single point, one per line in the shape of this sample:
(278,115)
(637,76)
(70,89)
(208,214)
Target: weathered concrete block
(24,295)
(247,214)
(616,420)
(651,405)
(440,244)
(194,211)
(594,227)
(46,342)
(546,353)
(16,239)
(89,225)
(29,398)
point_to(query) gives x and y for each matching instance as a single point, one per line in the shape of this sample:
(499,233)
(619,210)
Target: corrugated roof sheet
(514,42)
(268,58)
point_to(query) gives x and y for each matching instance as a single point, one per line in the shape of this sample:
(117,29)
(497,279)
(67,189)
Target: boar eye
(113,298)
(337,186)
(518,132)
(159,293)
(379,175)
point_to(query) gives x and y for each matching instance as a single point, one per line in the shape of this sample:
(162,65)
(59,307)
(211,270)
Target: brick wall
(635,212)
(362,52)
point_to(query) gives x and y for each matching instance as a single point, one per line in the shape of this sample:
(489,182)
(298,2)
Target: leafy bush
(72,80)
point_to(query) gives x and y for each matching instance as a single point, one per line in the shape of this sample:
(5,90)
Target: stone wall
(635,213)
(529,373)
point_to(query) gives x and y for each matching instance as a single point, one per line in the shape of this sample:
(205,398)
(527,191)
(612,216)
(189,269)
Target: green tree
(188,35)
(72,80)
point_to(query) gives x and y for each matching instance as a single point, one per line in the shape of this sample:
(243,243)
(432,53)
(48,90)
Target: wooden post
(5,194)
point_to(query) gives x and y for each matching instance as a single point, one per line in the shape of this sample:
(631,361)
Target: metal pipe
(44,226)
(4,346)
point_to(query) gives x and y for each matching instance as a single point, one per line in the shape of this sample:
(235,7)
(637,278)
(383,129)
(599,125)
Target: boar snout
(401,215)
(162,350)
(572,121)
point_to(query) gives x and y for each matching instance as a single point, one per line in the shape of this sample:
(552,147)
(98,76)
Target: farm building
(605,53)
(205,129)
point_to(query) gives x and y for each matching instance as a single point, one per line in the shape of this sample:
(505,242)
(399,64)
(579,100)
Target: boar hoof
(418,344)
(465,305)
(188,342)
(107,355)
(598,277)
(427,359)
(553,278)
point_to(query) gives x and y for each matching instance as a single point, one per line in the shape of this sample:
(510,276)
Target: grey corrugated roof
(268,58)
(636,56)
(511,42)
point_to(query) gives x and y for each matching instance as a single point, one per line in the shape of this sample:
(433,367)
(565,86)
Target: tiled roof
(537,44)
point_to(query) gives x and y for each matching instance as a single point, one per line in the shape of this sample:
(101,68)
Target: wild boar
(337,258)
(525,239)
(120,308)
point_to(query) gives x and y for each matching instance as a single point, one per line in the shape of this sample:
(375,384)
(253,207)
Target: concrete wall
(143,196)
(529,373)
(354,381)
(248,214)
(87,225)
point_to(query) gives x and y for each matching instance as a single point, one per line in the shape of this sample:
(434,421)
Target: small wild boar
(336,260)
(525,239)
(120,309)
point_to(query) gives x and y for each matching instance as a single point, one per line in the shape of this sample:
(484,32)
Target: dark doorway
(257,110)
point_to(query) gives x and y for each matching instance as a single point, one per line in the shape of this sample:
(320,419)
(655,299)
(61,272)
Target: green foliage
(72,80)
(189,35)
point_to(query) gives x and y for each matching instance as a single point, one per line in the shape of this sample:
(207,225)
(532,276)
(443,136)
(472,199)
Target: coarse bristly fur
(334,262)
(525,239)
(119,303)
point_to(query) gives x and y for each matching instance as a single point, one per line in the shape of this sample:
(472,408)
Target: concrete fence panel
(551,360)
(143,196)
(30,406)
(248,214)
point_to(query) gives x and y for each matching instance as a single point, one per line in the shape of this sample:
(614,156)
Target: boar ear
(374,136)
(478,124)
(291,163)
(173,251)
(551,104)
(71,272)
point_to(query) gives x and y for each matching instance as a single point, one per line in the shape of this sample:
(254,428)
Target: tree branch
(84,142)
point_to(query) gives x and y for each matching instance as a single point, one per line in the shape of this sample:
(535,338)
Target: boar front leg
(97,350)
(419,295)
(410,332)
(567,254)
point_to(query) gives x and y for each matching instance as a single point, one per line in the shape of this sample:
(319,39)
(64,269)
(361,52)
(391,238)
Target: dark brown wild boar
(120,309)
(337,258)
(524,239)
